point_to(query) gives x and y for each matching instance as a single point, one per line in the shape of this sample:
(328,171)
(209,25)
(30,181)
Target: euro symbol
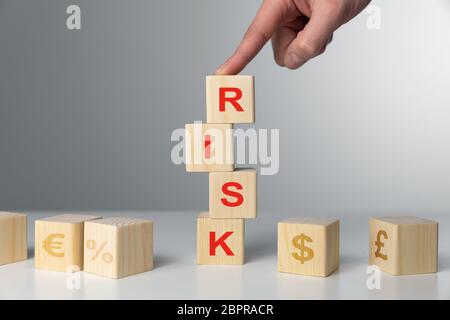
(380,245)
(51,246)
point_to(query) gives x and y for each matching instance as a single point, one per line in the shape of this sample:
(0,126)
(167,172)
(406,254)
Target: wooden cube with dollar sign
(308,246)
(118,247)
(404,245)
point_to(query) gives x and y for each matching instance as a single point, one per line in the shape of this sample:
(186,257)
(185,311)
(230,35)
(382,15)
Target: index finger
(266,22)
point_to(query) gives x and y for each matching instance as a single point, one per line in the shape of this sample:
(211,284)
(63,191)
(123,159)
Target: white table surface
(176,275)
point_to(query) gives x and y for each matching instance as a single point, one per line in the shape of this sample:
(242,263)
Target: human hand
(300,30)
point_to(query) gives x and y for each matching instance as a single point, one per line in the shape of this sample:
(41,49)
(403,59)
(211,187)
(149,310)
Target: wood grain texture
(220,156)
(308,246)
(404,245)
(59,242)
(13,237)
(245,113)
(118,247)
(235,242)
(233,194)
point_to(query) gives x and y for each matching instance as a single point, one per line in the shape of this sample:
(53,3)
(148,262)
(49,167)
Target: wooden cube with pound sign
(308,246)
(404,245)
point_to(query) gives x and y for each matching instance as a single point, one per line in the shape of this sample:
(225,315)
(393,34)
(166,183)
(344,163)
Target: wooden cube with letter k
(308,246)
(209,147)
(404,245)
(220,241)
(230,99)
(232,194)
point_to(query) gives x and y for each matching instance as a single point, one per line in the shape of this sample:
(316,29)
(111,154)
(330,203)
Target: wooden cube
(308,246)
(220,241)
(13,237)
(232,194)
(59,242)
(404,245)
(209,147)
(118,247)
(230,99)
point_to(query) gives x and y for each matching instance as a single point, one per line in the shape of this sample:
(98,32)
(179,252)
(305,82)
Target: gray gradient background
(86,116)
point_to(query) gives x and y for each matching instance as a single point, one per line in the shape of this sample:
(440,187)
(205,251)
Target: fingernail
(219,70)
(293,60)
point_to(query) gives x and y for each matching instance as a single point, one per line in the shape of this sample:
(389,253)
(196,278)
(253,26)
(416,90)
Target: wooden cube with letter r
(59,242)
(118,247)
(219,241)
(230,99)
(308,246)
(13,237)
(404,245)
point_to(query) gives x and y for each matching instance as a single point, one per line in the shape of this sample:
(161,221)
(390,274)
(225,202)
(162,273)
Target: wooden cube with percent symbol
(308,246)
(230,99)
(13,237)
(219,241)
(118,247)
(232,194)
(209,147)
(404,245)
(59,242)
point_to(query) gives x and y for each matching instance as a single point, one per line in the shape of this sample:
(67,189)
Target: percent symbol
(106,256)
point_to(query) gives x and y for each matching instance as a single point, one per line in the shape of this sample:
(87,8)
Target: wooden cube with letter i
(230,99)
(59,242)
(220,241)
(118,247)
(13,237)
(209,147)
(404,245)
(308,246)
(232,194)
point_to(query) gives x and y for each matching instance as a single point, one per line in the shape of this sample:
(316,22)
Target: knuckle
(255,30)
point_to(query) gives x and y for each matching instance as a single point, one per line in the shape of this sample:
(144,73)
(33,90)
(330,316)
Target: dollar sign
(380,245)
(306,253)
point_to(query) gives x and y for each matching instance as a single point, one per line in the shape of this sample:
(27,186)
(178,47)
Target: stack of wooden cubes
(232,192)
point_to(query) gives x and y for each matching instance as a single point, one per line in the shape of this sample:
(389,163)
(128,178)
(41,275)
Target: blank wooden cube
(232,194)
(13,237)
(220,241)
(209,147)
(308,246)
(230,99)
(404,245)
(118,247)
(59,242)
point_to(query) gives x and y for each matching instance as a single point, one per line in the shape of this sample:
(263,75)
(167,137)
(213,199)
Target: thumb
(326,17)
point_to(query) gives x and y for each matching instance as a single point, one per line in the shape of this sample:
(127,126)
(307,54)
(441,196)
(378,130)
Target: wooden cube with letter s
(230,99)
(308,246)
(219,241)
(404,245)
(233,194)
